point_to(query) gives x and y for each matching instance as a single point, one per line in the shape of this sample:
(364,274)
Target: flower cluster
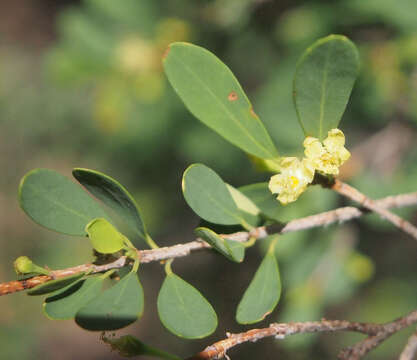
(295,175)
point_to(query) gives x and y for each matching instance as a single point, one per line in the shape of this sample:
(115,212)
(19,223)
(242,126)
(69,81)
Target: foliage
(135,116)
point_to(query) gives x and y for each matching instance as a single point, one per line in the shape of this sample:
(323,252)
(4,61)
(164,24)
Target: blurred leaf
(401,13)
(54,285)
(129,346)
(275,105)
(233,250)
(260,194)
(263,293)
(209,197)
(183,310)
(115,308)
(213,95)
(65,303)
(247,207)
(54,201)
(104,237)
(114,195)
(323,82)
(133,14)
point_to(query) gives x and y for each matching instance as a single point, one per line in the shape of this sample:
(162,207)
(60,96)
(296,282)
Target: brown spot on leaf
(232,96)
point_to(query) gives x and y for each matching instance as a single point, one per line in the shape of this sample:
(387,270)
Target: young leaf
(263,293)
(114,195)
(183,310)
(65,303)
(209,197)
(213,95)
(55,285)
(55,202)
(233,250)
(129,346)
(323,82)
(104,237)
(115,308)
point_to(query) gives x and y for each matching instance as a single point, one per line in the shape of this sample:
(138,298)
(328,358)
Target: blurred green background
(81,85)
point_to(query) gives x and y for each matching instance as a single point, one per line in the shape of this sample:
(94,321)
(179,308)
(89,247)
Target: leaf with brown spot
(213,95)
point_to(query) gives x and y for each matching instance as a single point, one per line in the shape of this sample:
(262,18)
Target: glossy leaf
(212,94)
(55,202)
(55,285)
(114,195)
(104,237)
(129,346)
(115,308)
(233,250)
(323,82)
(263,293)
(183,310)
(65,303)
(209,197)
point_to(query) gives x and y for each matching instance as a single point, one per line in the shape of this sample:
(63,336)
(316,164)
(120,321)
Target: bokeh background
(81,85)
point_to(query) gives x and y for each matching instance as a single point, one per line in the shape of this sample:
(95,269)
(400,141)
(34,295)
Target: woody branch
(180,250)
(377,333)
(355,195)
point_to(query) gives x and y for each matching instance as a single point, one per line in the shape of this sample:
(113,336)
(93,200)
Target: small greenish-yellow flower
(328,156)
(293,180)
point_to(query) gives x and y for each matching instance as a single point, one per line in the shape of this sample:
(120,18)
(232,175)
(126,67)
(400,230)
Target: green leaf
(104,237)
(129,346)
(55,202)
(183,310)
(55,285)
(115,308)
(65,303)
(233,250)
(323,82)
(115,196)
(212,94)
(209,197)
(262,197)
(248,209)
(263,293)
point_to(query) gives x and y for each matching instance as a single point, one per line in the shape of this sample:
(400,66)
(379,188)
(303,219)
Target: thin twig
(219,349)
(410,350)
(353,194)
(322,219)
(363,347)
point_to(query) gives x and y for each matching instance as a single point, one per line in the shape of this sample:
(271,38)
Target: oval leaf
(55,285)
(207,194)
(55,202)
(129,346)
(233,250)
(263,293)
(323,82)
(211,92)
(114,195)
(183,310)
(65,303)
(115,308)
(104,237)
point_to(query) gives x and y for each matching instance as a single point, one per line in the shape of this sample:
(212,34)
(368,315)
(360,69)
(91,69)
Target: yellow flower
(329,156)
(293,180)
